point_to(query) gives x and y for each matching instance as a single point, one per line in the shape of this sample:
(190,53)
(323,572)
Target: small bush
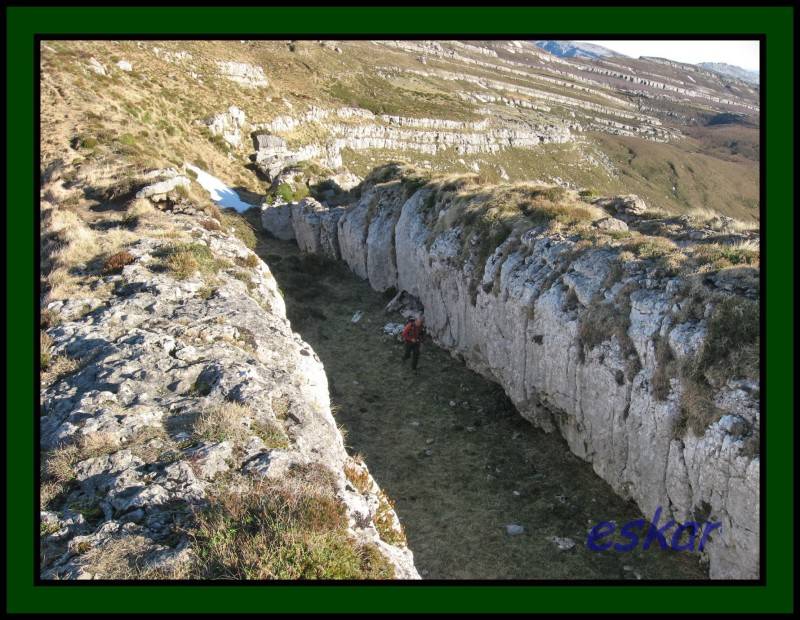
(697,409)
(45,347)
(210,224)
(115,262)
(289,194)
(281,406)
(731,347)
(57,367)
(385,522)
(357,475)
(651,247)
(213,211)
(186,259)
(251,261)
(600,322)
(722,256)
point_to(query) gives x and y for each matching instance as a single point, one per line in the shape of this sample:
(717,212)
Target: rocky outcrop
(153,359)
(520,321)
(244,74)
(160,190)
(230,125)
(316,227)
(277,220)
(424,135)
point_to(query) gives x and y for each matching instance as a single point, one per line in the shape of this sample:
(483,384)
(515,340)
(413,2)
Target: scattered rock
(97,67)
(393,329)
(563,544)
(611,223)
(244,74)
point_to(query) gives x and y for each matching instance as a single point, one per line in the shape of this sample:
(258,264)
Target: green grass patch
(186,259)
(280,530)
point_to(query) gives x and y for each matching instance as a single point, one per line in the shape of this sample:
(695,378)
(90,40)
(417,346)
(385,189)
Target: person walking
(413,333)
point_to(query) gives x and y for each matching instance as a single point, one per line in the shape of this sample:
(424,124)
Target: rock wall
(518,323)
(394,132)
(155,355)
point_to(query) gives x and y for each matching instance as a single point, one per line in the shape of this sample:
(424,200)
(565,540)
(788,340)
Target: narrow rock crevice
(596,407)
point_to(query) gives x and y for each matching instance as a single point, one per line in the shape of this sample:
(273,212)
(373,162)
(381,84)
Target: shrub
(357,475)
(49,318)
(697,409)
(57,367)
(210,224)
(186,259)
(251,261)
(731,347)
(213,211)
(385,522)
(115,262)
(651,247)
(722,256)
(290,194)
(600,322)
(730,350)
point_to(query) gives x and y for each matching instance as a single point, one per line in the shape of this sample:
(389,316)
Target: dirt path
(451,450)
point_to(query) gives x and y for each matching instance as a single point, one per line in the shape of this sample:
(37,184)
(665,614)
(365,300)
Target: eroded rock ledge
(188,389)
(586,341)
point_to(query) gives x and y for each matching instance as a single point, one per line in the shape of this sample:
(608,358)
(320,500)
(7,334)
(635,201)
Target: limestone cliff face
(518,323)
(156,355)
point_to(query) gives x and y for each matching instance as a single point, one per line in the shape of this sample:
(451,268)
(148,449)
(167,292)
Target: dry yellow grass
(228,421)
(357,474)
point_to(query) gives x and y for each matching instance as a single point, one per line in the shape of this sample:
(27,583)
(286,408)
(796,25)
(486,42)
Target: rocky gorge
(583,342)
(220,372)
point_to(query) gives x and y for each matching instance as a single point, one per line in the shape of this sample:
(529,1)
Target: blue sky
(740,53)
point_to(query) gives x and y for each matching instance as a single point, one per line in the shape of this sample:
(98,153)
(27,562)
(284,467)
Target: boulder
(611,224)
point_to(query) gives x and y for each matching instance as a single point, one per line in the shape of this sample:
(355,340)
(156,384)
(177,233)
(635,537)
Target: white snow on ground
(220,193)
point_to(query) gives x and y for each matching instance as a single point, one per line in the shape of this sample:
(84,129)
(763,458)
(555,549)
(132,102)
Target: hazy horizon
(744,54)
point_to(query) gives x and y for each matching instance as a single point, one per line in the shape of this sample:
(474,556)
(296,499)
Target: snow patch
(220,193)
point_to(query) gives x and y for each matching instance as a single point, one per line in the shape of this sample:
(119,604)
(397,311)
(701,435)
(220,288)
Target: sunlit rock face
(157,354)
(518,322)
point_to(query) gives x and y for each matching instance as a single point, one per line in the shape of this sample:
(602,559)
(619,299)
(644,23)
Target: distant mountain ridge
(723,68)
(575,49)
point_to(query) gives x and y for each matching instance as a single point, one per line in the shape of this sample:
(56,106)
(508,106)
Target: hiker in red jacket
(412,337)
